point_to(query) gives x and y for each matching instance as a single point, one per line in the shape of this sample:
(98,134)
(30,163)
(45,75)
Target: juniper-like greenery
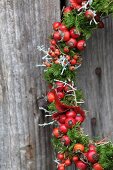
(54,72)
(106,155)
(104,7)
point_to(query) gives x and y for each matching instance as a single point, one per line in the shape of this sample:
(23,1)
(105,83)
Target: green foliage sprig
(81,23)
(54,72)
(106,155)
(104,7)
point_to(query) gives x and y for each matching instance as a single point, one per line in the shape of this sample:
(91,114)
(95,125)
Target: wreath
(65,100)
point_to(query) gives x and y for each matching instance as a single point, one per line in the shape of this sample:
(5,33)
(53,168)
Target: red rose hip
(66,140)
(81,44)
(63,129)
(56,25)
(70,122)
(71,113)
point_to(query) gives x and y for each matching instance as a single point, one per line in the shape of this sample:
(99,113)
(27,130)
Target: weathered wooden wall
(96,80)
(24,24)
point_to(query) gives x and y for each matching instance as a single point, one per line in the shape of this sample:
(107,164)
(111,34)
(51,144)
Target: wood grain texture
(95,78)
(24,24)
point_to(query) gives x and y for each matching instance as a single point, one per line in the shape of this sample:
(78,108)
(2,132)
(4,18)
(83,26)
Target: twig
(42,48)
(65,84)
(46,124)
(56,161)
(45,110)
(40,65)
(78,67)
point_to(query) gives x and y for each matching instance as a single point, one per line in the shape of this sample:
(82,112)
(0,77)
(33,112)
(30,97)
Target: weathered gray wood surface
(96,80)
(24,24)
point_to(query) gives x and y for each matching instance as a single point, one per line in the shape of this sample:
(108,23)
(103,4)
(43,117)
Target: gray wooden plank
(98,87)
(24,24)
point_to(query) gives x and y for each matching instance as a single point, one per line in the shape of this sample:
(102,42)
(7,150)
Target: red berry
(56,25)
(75,4)
(81,44)
(67,162)
(89,14)
(56,61)
(67,9)
(78,147)
(66,36)
(68,57)
(53,42)
(74,33)
(60,86)
(92,156)
(84,3)
(72,68)
(62,27)
(61,167)
(71,113)
(72,43)
(50,86)
(52,54)
(70,122)
(56,132)
(66,88)
(76,57)
(73,62)
(66,140)
(49,52)
(60,95)
(47,64)
(92,147)
(79,118)
(85,154)
(55,116)
(101,25)
(57,52)
(97,18)
(75,159)
(63,129)
(62,119)
(50,97)
(81,166)
(60,156)
(97,166)
(52,47)
(79,1)
(66,49)
(57,36)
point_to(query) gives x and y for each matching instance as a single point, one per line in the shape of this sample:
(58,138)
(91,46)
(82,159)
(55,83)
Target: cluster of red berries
(77,4)
(80,158)
(89,14)
(69,37)
(68,120)
(61,90)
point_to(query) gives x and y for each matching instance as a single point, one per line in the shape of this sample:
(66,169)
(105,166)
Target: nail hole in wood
(98,71)
(93,126)
(93,121)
